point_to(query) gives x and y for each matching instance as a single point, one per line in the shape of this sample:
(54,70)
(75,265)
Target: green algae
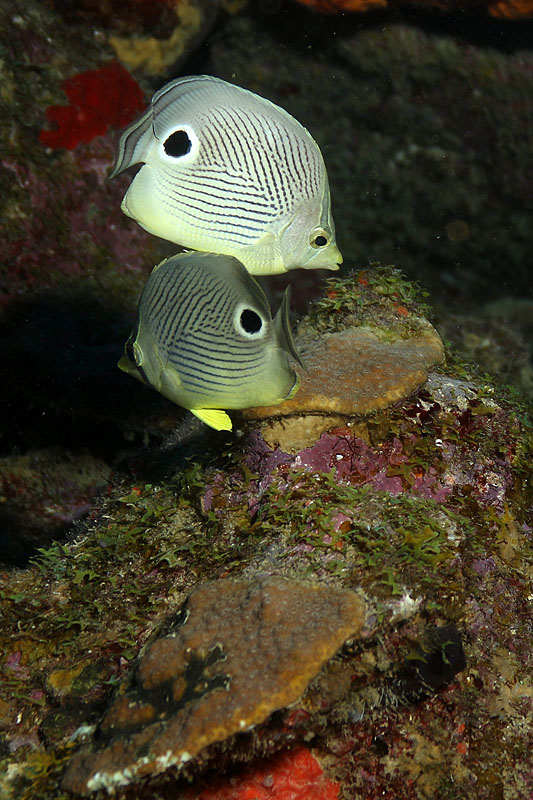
(388,542)
(378,297)
(40,777)
(128,567)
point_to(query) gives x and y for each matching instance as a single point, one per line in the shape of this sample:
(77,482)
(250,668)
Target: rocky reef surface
(349,606)
(411,182)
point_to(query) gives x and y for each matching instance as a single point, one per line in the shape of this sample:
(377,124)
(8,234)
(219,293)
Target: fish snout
(329,257)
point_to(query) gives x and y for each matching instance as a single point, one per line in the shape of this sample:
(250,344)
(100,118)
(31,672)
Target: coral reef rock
(155,56)
(387,104)
(236,652)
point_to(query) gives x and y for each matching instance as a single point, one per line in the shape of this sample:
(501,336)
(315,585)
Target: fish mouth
(328,258)
(339,258)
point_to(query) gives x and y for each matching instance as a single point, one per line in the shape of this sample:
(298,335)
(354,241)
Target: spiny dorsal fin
(282,326)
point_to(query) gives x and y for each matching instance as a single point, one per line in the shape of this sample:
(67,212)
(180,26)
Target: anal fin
(213,417)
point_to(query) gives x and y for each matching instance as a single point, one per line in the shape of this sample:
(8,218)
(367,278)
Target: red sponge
(294,775)
(99,99)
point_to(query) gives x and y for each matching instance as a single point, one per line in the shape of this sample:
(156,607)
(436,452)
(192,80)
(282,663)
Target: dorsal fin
(283,330)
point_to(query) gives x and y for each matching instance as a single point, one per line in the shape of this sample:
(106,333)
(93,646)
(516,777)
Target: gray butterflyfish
(226,171)
(204,338)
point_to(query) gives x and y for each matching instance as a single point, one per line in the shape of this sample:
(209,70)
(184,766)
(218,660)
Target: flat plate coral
(357,372)
(236,652)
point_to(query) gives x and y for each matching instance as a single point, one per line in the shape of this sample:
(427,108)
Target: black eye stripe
(178,144)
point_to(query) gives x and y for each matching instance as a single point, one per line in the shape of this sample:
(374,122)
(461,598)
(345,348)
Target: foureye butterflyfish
(204,338)
(226,171)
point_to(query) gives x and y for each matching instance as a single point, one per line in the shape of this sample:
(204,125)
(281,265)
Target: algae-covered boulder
(343,609)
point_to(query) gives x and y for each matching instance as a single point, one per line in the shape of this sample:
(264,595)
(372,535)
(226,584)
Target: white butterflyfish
(204,338)
(224,170)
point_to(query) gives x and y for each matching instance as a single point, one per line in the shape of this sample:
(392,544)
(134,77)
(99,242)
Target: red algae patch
(295,775)
(99,99)
(356,372)
(236,652)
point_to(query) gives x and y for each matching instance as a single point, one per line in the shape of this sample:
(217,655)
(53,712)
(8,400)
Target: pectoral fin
(213,417)
(297,384)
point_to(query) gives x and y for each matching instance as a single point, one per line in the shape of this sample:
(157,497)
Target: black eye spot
(178,144)
(250,321)
(321,241)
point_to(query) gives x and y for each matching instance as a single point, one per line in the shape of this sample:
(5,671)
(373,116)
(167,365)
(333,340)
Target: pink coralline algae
(432,452)
(99,99)
(69,223)
(295,775)
(386,468)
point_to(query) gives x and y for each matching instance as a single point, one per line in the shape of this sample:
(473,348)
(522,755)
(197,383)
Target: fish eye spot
(251,321)
(178,144)
(319,238)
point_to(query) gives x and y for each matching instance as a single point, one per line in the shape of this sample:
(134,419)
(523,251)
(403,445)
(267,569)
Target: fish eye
(250,321)
(178,144)
(320,237)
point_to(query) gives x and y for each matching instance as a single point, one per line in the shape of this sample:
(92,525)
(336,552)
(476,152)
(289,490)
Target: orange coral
(509,9)
(512,9)
(98,99)
(236,652)
(332,6)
